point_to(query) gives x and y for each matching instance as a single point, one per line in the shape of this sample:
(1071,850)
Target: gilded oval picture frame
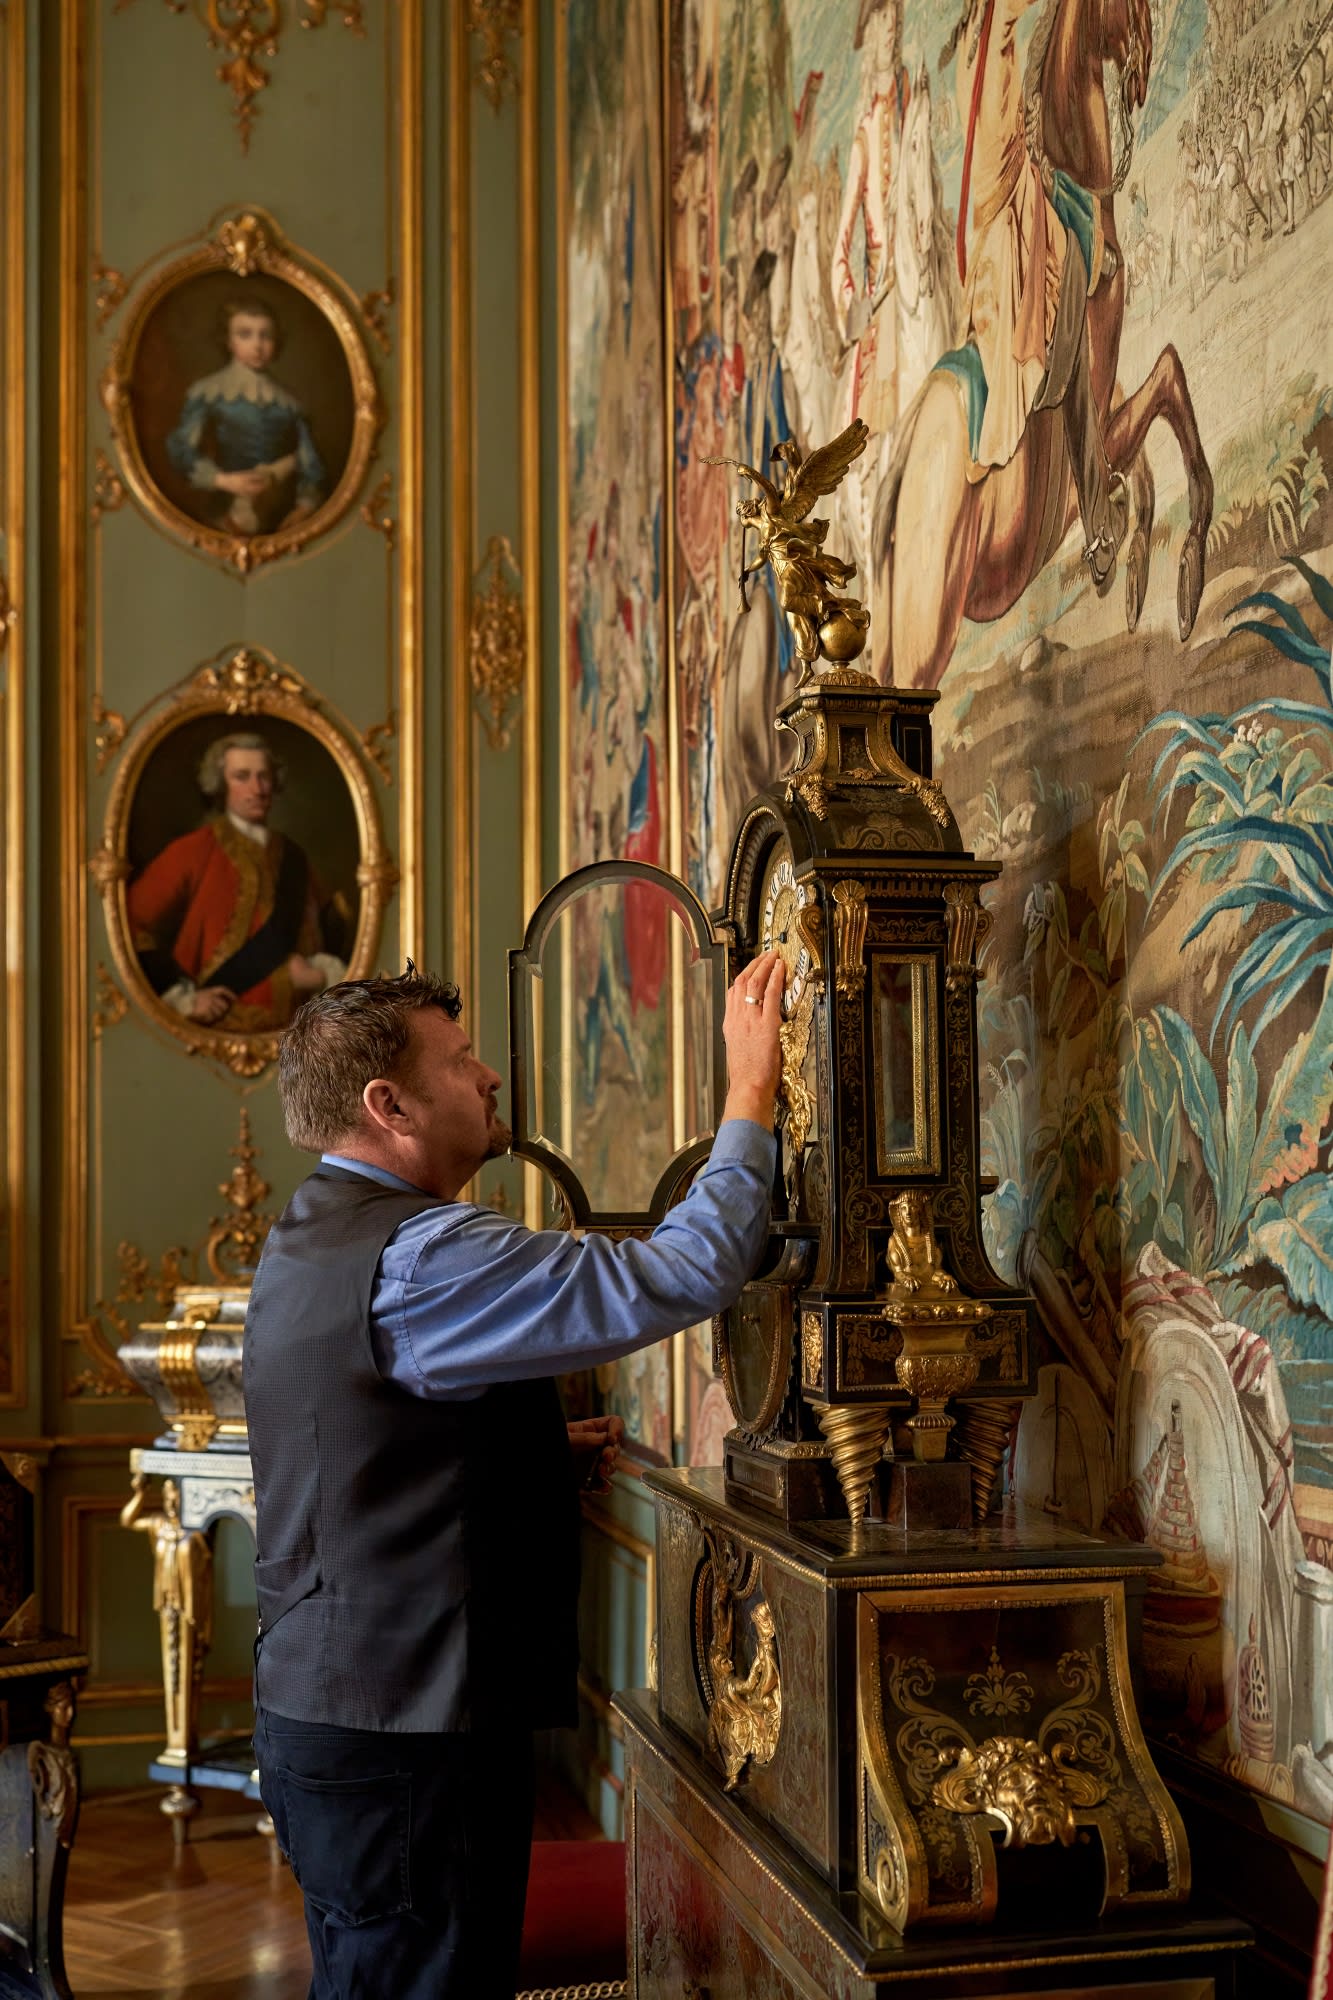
(242,864)
(243,403)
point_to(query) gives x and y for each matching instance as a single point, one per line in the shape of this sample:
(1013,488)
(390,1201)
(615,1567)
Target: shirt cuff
(741,1139)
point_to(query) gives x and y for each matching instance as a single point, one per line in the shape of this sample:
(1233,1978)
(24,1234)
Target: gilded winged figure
(808,578)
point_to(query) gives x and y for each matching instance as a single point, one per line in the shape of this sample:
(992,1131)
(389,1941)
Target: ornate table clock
(894,1735)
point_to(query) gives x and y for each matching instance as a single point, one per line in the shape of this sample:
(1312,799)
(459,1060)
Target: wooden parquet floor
(221,1922)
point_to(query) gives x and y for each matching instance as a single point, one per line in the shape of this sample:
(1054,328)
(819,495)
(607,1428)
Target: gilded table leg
(183,1600)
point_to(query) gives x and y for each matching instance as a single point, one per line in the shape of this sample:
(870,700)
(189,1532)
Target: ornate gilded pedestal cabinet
(893,1742)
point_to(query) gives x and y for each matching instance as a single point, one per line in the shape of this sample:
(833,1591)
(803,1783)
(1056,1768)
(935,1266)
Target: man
(226,920)
(415,1487)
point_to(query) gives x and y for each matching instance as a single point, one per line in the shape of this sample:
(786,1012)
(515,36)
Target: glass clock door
(618,1070)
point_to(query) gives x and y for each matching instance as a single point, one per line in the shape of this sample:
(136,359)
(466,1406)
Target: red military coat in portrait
(216,908)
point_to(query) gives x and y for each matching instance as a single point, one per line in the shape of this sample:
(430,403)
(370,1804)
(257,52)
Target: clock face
(781,899)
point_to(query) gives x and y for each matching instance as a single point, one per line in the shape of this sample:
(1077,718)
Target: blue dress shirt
(465,1297)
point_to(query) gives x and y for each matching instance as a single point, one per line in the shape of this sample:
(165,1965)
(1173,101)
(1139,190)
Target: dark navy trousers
(411,1852)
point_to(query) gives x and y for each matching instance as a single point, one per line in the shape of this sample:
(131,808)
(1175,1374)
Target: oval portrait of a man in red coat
(242,900)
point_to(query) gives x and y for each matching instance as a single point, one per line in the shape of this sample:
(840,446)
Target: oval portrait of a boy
(242,404)
(242,896)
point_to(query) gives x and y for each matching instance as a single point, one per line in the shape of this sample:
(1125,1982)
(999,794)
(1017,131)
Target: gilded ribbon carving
(498,641)
(494,24)
(248,33)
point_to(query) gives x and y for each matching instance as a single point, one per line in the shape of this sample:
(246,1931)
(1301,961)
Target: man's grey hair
(212,778)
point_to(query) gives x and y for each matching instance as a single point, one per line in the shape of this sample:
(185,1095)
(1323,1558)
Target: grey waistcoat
(417,1560)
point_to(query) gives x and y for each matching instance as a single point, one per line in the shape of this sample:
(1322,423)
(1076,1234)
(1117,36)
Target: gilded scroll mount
(744,1711)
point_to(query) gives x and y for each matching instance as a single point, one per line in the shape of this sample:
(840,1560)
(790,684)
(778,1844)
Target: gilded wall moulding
(494,24)
(243,402)
(248,33)
(498,641)
(241,865)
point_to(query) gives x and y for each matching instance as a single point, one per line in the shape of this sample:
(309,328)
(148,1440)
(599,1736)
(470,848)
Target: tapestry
(614,1102)
(1072,263)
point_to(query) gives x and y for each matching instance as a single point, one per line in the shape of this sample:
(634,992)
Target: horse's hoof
(1189,583)
(1136,578)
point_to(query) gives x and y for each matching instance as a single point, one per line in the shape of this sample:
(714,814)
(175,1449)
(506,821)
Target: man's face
(455,1094)
(248,775)
(250,338)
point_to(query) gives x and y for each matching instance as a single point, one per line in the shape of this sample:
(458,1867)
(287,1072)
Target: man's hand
(248,484)
(750,1029)
(210,1003)
(305,977)
(595,1443)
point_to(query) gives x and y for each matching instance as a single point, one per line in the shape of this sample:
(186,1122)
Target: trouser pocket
(348,1840)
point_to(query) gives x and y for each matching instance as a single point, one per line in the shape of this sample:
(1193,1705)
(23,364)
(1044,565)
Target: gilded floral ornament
(375,307)
(375,511)
(109,289)
(995,1692)
(137,1278)
(112,1006)
(108,732)
(235,1240)
(108,488)
(494,24)
(498,643)
(248,33)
